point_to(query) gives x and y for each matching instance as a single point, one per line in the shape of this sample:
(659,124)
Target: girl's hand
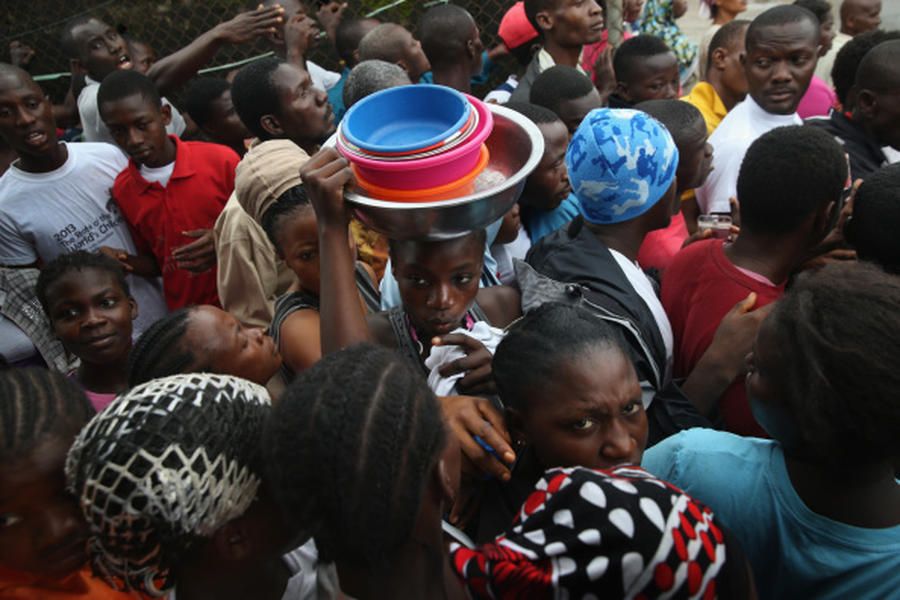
(476,364)
(324,177)
(468,417)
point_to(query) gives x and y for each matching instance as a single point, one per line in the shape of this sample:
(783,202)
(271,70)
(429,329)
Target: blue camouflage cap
(621,163)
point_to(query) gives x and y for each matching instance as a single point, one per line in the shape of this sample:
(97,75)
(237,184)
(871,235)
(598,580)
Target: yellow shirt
(707,101)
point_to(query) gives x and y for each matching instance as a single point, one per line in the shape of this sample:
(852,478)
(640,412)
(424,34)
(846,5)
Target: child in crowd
(822,380)
(372,76)
(789,188)
(695,154)
(512,242)
(819,98)
(876,216)
(520,39)
(596,58)
(564,28)
(55,198)
(290,224)
(43,536)
(194,502)
(567,93)
(171,192)
(142,55)
(452,42)
(546,200)
(91,310)
(394,44)
(658,20)
(646,69)
(203,339)
(348,35)
(208,103)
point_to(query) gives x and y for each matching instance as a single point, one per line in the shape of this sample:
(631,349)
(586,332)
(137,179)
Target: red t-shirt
(698,289)
(661,246)
(201,182)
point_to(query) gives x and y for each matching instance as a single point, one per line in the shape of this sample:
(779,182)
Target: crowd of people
(667,371)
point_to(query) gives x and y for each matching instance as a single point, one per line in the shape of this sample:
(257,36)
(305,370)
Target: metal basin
(516,146)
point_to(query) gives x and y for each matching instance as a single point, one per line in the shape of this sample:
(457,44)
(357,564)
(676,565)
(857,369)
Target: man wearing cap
(520,38)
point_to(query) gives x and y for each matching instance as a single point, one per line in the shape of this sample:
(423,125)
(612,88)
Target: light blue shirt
(542,223)
(794,552)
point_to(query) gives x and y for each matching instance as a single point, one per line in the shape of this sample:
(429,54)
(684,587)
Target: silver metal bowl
(516,147)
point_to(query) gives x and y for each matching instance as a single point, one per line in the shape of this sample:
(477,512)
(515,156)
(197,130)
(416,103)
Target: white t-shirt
(730,141)
(43,215)
(322,79)
(642,285)
(95,129)
(160,175)
(505,253)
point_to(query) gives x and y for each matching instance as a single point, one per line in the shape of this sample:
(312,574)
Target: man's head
(518,34)
(726,51)
(566,23)
(276,100)
(567,92)
(394,44)
(347,37)
(94,48)
(208,102)
(622,165)
(26,114)
(823,12)
(132,110)
(782,47)
(372,76)
(878,93)
(790,184)
(846,63)
(451,38)
(646,69)
(548,185)
(860,16)
(688,128)
(872,230)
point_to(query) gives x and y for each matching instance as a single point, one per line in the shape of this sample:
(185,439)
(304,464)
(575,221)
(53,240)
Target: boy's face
(42,530)
(695,157)
(779,65)
(438,281)
(92,316)
(138,127)
(413,56)
(142,56)
(224,124)
(572,23)
(548,184)
(298,244)
(730,63)
(653,78)
(573,112)
(26,116)
(101,50)
(305,117)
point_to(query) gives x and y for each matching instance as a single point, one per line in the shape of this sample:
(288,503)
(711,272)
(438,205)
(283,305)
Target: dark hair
(254,95)
(349,450)
(200,95)
(789,173)
(726,36)
(839,331)
(536,344)
(872,230)
(444,30)
(371,76)
(879,70)
(67,39)
(533,7)
(347,36)
(537,114)
(77,261)
(35,402)
(290,202)
(119,85)
(558,84)
(477,237)
(160,351)
(846,63)
(633,51)
(820,8)
(677,116)
(778,16)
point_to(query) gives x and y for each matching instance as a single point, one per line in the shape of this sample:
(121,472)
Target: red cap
(515,28)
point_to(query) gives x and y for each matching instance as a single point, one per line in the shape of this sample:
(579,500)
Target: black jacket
(865,153)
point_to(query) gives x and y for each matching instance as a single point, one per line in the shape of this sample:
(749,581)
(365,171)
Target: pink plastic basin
(430,172)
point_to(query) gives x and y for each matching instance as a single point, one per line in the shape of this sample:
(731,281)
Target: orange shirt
(82,584)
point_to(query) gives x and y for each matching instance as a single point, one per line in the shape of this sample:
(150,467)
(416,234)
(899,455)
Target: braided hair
(532,351)
(77,261)
(160,351)
(165,465)
(349,450)
(35,402)
(291,202)
(839,332)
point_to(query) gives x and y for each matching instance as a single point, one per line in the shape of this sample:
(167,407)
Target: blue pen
(487,447)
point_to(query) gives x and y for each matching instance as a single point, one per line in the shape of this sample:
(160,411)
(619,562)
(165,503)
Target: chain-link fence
(167,25)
